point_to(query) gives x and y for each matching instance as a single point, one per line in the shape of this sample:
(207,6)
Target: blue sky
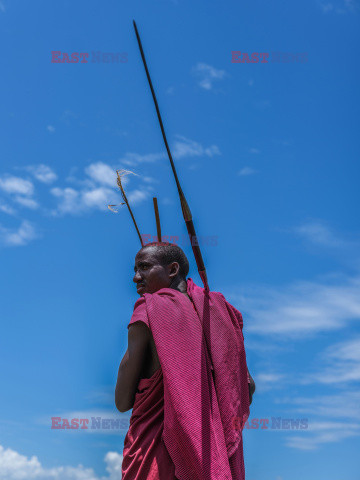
(268,157)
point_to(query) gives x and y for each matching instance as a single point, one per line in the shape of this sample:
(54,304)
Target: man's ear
(174,268)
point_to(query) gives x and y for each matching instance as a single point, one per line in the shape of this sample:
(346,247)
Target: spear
(157,218)
(184,205)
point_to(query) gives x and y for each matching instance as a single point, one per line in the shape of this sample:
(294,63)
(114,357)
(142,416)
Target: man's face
(150,276)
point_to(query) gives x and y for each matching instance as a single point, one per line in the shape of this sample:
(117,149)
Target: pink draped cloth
(205,390)
(145,454)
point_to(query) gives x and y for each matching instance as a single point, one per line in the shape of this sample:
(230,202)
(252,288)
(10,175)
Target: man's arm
(131,366)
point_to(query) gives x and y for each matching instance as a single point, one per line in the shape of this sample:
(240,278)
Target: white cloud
(149,180)
(182,147)
(26,202)
(4,207)
(319,233)
(303,308)
(50,129)
(43,173)
(102,173)
(77,202)
(68,199)
(95,192)
(131,159)
(305,442)
(335,408)
(137,196)
(340,364)
(338,406)
(17,185)
(18,237)
(319,433)
(98,198)
(207,75)
(268,381)
(2,7)
(254,151)
(331,425)
(247,171)
(14,466)
(114,461)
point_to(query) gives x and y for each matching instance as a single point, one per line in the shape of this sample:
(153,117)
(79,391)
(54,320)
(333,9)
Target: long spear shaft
(184,205)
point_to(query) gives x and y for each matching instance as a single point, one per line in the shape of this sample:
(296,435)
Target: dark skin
(141,359)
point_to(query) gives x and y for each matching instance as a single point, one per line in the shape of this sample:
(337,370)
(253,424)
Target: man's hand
(131,366)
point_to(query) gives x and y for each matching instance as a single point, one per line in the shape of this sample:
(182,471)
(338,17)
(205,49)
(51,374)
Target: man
(184,392)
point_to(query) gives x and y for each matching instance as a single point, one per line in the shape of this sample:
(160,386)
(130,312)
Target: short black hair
(168,253)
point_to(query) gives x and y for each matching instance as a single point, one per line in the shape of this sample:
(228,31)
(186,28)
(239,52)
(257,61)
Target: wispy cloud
(182,148)
(68,199)
(102,173)
(50,129)
(327,7)
(42,173)
(14,466)
(254,151)
(303,308)
(331,433)
(343,405)
(5,208)
(2,7)
(268,381)
(317,232)
(207,75)
(17,185)
(26,202)
(334,407)
(78,201)
(137,196)
(339,364)
(339,6)
(246,171)
(18,237)
(131,159)
(96,191)
(20,191)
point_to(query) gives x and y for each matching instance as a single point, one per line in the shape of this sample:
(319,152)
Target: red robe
(186,417)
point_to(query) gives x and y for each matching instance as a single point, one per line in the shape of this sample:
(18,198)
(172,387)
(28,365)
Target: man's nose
(137,277)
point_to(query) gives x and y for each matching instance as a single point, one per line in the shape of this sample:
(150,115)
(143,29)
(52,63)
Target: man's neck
(181,286)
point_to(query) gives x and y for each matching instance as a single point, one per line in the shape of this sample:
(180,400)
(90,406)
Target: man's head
(159,265)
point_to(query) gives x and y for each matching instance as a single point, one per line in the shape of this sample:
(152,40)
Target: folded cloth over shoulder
(200,346)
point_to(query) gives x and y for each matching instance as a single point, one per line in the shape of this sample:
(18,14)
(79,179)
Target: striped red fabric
(203,362)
